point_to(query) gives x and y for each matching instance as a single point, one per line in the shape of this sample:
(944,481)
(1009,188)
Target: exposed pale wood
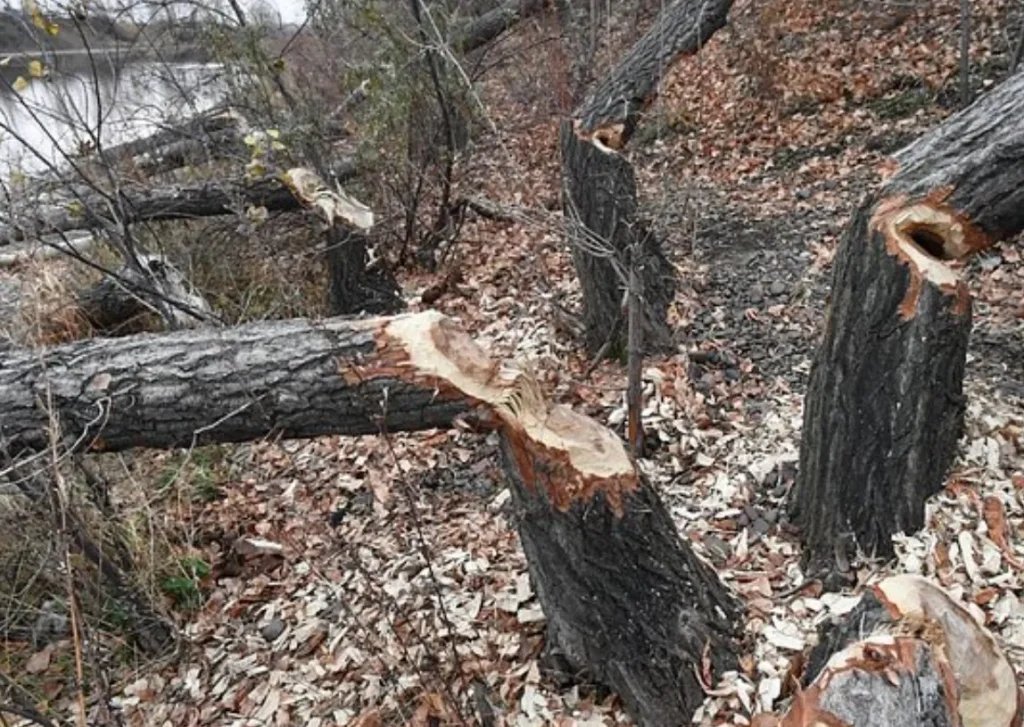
(89,210)
(599,188)
(908,656)
(626,599)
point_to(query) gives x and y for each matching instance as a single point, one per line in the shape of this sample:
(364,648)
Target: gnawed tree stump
(599,189)
(884,406)
(626,599)
(604,232)
(907,656)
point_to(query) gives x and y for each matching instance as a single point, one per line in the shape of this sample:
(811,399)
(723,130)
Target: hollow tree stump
(884,405)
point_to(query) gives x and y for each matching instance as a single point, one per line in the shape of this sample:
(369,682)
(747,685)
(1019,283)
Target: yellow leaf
(75,209)
(20,84)
(52,29)
(278,146)
(4,62)
(35,69)
(255,169)
(273,133)
(250,140)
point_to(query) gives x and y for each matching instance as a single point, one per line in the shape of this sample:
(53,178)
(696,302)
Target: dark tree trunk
(601,207)
(660,611)
(490,25)
(907,656)
(210,199)
(599,188)
(626,599)
(289,378)
(613,109)
(884,405)
(353,287)
(122,305)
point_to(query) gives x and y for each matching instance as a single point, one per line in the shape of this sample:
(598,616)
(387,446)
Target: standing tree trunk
(626,599)
(599,188)
(354,284)
(884,405)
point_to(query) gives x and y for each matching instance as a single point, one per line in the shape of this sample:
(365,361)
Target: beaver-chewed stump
(907,656)
(885,403)
(626,600)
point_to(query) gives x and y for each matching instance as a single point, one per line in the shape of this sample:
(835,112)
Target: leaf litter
(380,580)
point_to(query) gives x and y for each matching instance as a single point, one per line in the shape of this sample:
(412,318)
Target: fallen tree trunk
(119,304)
(599,189)
(90,210)
(907,656)
(490,25)
(288,378)
(626,598)
(884,406)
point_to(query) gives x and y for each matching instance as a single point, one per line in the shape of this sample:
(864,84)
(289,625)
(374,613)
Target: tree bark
(599,188)
(354,286)
(89,210)
(284,378)
(611,111)
(490,25)
(625,598)
(907,656)
(600,201)
(118,304)
(884,406)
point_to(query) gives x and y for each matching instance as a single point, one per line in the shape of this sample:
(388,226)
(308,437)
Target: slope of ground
(393,589)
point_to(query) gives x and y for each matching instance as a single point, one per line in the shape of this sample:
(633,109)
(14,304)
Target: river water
(64,113)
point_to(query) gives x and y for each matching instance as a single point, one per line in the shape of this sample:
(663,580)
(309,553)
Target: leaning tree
(600,196)
(885,404)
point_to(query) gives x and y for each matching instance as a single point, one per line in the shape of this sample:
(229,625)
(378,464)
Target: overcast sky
(292,11)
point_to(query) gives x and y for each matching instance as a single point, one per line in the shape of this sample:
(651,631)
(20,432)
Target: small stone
(756,294)
(718,549)
(732,374)
(802,194)
(760,527)
(272,630)
(777,288)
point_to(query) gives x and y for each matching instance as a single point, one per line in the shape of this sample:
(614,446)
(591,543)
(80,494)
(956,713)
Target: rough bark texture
(660,609)
(611,111)
(210,199)
(599,189)
(909,656)
(884,406)
(625,598)
(117,306)
(490,25)
(289,378)
(600,202)
(353,287)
